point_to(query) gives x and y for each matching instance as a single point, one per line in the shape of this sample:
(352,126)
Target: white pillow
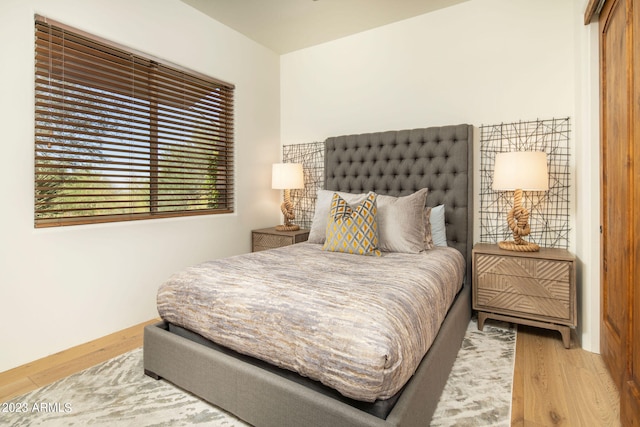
(321,214)
(438,231)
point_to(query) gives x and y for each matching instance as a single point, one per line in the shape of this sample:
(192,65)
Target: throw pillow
(401,224)
(317,234)
(400,219)
(352,230)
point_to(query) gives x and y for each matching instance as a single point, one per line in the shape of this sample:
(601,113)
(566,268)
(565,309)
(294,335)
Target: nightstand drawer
(270,238)
(524,267)
(269,241)
(509,303)
(529,286)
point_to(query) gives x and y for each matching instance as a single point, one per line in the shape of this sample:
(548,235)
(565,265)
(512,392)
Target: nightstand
(269,238)
(530,288)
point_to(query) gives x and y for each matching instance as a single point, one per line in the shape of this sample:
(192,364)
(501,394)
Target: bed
(393,163)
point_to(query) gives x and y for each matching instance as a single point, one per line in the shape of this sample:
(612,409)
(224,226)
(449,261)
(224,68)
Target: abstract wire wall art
(311,156)
(549,211)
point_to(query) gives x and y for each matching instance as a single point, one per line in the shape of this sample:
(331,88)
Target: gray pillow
(401,225)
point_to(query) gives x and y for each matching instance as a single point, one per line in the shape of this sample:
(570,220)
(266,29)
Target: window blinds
(122,136)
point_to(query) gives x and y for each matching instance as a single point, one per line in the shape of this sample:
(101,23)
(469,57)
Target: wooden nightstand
(269,238)
(531,288)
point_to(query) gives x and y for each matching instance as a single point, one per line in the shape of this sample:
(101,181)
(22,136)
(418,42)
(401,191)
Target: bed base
(265,399)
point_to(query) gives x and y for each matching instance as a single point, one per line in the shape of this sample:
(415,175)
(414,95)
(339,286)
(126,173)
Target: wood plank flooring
(552,386)
(41,372)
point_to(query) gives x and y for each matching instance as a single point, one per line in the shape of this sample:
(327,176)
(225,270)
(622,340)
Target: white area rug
(117,393)
(478,391)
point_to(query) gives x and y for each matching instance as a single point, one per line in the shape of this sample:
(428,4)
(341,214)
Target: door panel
(615,185)
(630,396)
(620,178)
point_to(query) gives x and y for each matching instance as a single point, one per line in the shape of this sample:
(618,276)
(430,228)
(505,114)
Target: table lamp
(518,171)
(287,176)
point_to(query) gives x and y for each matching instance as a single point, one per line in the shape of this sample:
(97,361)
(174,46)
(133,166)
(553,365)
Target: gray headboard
(398,163)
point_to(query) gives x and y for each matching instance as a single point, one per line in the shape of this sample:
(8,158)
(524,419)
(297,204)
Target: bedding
(360,325)
(401,221)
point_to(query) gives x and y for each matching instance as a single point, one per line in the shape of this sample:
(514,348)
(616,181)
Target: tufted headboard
(398,163)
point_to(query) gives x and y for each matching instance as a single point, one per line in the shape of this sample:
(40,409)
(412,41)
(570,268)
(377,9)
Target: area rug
(117,393)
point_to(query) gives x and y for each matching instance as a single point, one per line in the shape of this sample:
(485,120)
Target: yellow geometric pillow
(353,230)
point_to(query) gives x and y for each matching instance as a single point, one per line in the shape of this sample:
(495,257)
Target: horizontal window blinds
(120,136)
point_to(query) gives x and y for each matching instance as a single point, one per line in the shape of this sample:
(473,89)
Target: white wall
(478,62)
(481,62)
(60,287)
(587,149)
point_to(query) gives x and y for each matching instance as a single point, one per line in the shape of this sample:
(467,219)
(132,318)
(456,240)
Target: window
(122,136)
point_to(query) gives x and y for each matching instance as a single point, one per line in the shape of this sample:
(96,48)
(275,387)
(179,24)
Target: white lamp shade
(287,176)
(521,170)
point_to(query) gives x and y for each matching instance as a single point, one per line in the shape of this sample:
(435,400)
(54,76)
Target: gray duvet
(358,324)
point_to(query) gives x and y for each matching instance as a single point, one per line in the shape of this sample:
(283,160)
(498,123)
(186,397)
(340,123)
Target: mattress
(360,325)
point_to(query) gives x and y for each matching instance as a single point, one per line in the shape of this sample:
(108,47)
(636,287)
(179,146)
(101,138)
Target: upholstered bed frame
(394,163)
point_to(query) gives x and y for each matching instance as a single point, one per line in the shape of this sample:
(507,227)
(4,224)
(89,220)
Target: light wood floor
(31,376)
(552,386)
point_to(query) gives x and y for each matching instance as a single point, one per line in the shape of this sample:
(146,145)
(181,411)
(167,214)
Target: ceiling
(288,25)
